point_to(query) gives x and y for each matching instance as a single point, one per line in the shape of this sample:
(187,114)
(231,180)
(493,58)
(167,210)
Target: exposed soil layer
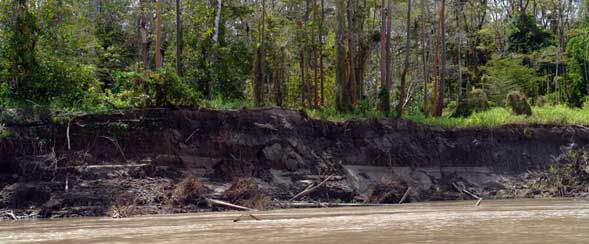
(138,162)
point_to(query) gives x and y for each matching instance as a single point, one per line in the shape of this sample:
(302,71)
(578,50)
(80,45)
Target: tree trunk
(424,58)
(213,58)
(461,93)
(144,35)
(260,56)
(351,86)
(158,54)
(388,59)
(179,37)
(321,33)
(402,92)
(383,63)
(439,103)
(315,59)
(342,102)
(279,78)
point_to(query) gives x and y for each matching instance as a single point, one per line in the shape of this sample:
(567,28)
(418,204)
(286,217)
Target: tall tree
(158,36)
(342,101)
(424,56)
(402,92)
(144,35)
(321,36)
(179,38)
(384,98)
(315,55)
(439,102)
(351,86)
(260,56)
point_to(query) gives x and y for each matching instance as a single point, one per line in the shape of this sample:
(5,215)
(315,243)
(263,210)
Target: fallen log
(405,195)
(246,215)
(309,190)
(479,199)
(327,205)
(229,205)
(9,214)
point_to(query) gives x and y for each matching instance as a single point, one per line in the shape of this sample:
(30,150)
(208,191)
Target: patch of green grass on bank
(558,115)
(218,103)
(555,115)
(332,115)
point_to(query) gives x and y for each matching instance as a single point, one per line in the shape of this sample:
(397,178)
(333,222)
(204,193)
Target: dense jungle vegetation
(452,63)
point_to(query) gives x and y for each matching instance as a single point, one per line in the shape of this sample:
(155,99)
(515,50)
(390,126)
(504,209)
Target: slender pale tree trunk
(342,103)
(158,54)
(315,58)
(208,86)
(144,35)
(461,94)
(352,52)
(260,56)
(424,58)
(439,104)
(402,91)
(321,31)
(179,39)
(383,60)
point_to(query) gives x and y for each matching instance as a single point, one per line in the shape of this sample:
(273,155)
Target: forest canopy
(396,58)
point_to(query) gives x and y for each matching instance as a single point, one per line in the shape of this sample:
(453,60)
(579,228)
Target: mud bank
(138,161)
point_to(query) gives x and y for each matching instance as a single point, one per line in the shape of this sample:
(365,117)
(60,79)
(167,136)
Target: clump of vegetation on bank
(188,191)
(566,177)
(244,191)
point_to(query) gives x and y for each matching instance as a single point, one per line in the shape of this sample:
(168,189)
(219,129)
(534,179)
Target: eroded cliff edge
(82,166)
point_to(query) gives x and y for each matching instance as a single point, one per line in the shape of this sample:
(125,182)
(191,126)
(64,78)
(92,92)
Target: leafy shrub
(189,191)
(541,101)
(165,88)
(518,103)
(476,101)
(503,75)
(245,192)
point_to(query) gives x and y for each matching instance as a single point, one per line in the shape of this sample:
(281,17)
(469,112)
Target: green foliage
(518,103)
(570,171)
(165,88)
(525,36)
(557,115)
(577,54)
(476,101)
(503,75)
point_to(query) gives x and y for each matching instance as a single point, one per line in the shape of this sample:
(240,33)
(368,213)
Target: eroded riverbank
(138,162)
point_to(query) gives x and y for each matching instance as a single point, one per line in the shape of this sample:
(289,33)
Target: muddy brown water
(504,222)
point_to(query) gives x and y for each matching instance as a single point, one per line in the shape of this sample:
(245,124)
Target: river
(501,222)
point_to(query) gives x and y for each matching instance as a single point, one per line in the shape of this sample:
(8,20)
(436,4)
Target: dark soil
(137,162)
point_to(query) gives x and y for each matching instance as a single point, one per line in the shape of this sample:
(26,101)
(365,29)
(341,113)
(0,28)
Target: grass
(556,115)
(498,116)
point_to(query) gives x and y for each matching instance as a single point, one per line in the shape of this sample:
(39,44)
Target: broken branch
(229,205)
(309,190)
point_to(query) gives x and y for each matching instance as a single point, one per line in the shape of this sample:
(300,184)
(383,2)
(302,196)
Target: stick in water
(405,195)
(229,205)
(312,189)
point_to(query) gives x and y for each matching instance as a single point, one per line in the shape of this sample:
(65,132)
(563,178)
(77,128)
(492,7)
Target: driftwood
(191,135)
(479,199)
(246,215)
(327,205)
(266,126)
(9,214)
(229,205)
(309,190)
(69,145)
(405,195)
